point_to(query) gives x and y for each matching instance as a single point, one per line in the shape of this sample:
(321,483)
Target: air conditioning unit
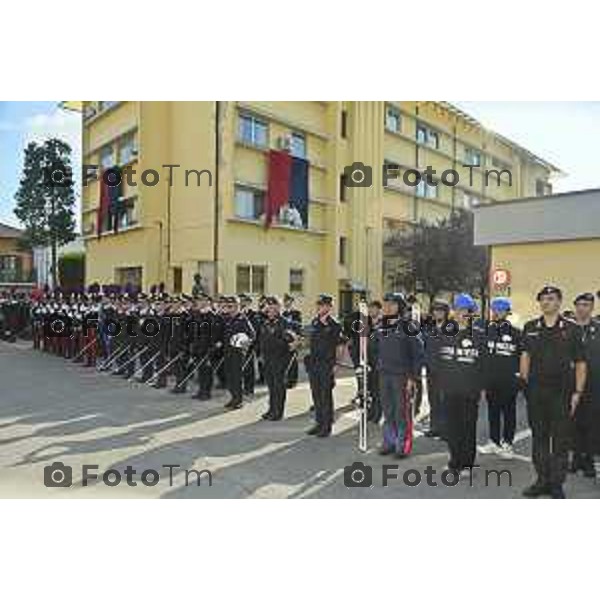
(284,142)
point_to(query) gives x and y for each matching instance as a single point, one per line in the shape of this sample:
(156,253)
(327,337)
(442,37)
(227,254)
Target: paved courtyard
(52,410)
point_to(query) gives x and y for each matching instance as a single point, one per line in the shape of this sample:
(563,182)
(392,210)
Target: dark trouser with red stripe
(548,412)
(397,413)
(461,428)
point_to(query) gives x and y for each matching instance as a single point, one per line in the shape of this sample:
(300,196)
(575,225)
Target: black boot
(557,492)
(535,490)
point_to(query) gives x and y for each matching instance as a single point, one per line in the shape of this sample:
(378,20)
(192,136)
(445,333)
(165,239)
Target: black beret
(585,297)
(272,300)
(244,298)
(396,297)
(325,299)
(549,289)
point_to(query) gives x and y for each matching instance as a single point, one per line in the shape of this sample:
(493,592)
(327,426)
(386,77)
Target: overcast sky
(560,132)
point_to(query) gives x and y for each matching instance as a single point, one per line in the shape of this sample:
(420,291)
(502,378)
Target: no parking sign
(501,278)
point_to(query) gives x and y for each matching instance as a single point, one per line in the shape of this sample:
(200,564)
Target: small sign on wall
(500,278)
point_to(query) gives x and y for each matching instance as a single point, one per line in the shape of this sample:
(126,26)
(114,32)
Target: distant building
(537,241)
(16,264)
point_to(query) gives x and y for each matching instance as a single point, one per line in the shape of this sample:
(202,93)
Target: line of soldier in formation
(554,361)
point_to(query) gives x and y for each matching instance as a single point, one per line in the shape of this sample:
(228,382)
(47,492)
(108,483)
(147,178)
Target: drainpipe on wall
(216,199)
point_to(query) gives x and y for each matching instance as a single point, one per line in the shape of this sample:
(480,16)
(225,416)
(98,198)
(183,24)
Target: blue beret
(464,302)
(501,305)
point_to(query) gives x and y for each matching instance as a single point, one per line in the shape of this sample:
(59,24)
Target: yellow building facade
(540,241)
(210,220)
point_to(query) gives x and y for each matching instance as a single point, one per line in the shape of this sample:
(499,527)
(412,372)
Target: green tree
(440,257)
(45,200)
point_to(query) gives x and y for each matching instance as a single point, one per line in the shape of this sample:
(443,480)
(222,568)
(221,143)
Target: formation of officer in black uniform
(163,340)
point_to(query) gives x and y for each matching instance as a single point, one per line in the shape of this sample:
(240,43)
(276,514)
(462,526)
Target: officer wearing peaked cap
(276,338)
(325,337)
(293,314)
(238,335)
(551,346)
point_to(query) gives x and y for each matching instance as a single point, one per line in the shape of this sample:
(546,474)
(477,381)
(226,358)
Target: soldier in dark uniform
(501,370)
(238,336)
(182,345)
(163,341)
(135,338)
(275,336)
(294,315)
(150,336)
(551,346)
(433,334)
(583,455)
(459,359)
(254,317)
(206,336)
(326,337)
(353,333)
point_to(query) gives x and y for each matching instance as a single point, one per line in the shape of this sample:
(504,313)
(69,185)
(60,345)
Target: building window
(425,190)
(344,124)
(296,281)
(127,149)
(472,157)
(343,189)
(88,111)
(131,276)
(392,119)
(106,104)
(427,136)
(106,158)
(249,203)
(343,250)
(10,268)
(127,213)
(500,164)
(253,131)
(392,170)
(298,145)
(250,279)
(542,188)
